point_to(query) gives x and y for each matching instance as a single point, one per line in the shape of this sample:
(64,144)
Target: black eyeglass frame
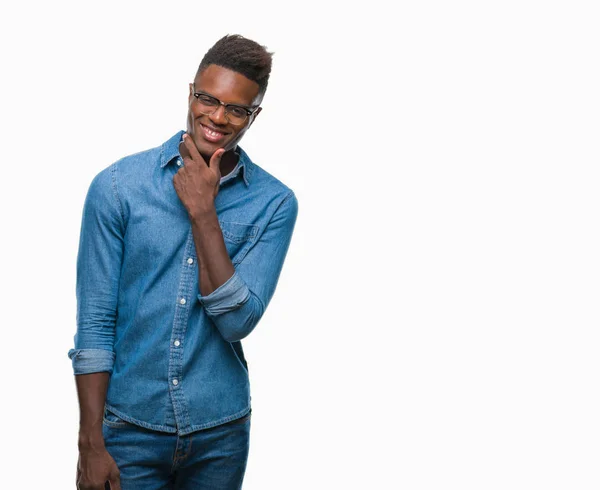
(249,111)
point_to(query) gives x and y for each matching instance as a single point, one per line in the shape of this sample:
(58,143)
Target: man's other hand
(94,468)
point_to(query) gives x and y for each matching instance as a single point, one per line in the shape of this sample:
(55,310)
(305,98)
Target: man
(181,248)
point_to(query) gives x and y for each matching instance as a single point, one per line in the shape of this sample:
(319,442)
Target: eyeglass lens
(208,105)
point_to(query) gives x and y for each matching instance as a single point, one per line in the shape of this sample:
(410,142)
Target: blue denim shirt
(175,356)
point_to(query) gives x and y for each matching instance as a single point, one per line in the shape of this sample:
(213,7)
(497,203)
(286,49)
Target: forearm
(91,391)
(214,264)
(238,297)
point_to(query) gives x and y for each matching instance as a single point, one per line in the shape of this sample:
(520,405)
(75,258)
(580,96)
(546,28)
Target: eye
(206,100)
(237,111)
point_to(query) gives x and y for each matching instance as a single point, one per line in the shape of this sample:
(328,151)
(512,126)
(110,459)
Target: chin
(203,146)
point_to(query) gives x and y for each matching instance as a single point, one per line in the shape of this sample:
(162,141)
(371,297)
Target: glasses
(235,114)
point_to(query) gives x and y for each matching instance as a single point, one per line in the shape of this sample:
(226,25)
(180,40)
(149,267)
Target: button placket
(182,311)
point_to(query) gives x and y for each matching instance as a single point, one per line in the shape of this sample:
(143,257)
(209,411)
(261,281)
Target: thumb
(115,483)
(215,160)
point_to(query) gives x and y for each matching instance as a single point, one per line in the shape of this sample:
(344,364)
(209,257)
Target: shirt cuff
(86,361)
(228,296)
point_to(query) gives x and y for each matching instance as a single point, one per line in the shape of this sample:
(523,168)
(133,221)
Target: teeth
(212,133)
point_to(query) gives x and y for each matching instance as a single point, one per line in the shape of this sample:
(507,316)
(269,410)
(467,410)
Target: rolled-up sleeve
(87,361)
(237,305)
(98,273)
(228,296)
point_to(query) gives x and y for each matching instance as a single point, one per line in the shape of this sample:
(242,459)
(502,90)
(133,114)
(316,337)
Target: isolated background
(436,322)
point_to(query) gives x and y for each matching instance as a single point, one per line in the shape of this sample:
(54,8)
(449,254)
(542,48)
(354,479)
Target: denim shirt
(175,356)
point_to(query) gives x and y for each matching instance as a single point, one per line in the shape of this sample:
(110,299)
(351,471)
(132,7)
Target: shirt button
(179,162)
(175,382)
(182,301)
(177,343)
(190,261)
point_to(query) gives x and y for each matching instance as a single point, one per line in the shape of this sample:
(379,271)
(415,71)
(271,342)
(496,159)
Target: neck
(228,162)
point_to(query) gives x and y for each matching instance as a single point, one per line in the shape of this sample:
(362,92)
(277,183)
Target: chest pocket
(239,238)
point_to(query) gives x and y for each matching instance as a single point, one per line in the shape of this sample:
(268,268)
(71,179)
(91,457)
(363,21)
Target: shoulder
(268,185)
(263,178)
(284,198)
(144,163)
(136,164)
(139,167)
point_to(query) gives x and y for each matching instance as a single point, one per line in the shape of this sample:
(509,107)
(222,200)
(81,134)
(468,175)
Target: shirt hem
(173,430)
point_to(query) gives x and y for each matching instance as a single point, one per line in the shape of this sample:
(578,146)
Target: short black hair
(237,53)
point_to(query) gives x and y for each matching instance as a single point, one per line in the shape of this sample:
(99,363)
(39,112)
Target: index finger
(183,151)
(193,152)
(113,484)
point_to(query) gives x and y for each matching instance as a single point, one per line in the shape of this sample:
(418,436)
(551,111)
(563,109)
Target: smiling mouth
(212,135)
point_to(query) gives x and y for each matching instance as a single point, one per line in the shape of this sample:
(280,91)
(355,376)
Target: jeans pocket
(241,420)
(112,420)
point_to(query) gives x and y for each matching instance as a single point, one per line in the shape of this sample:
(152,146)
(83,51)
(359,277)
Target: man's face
(231,88)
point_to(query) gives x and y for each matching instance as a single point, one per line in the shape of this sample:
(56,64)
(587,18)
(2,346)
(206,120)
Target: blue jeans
(208,459)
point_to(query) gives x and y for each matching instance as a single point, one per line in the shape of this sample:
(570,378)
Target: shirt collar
(169,152)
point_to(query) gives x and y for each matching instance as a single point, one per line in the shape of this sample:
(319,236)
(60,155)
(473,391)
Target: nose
(218,117)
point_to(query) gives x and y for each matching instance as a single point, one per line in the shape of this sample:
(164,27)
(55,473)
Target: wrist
(90,439)
(203,214)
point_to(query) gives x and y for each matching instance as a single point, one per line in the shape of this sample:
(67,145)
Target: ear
(191,92)
(254,116)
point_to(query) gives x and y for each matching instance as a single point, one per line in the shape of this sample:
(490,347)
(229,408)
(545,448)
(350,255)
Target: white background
(436,321)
